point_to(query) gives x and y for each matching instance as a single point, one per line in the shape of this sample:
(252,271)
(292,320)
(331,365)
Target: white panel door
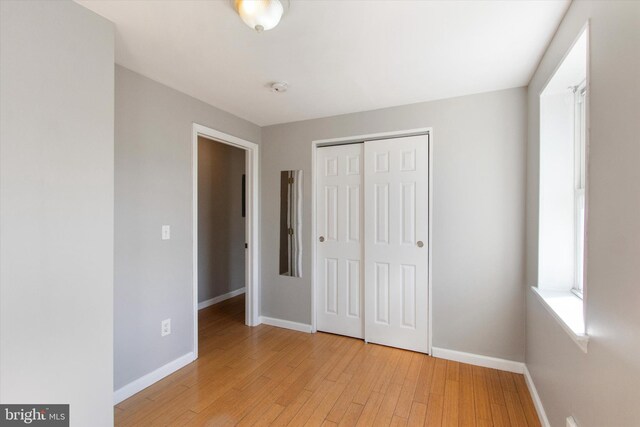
(396,177)
(339,229)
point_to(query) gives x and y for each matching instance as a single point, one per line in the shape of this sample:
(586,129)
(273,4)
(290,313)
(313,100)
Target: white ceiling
(337,56)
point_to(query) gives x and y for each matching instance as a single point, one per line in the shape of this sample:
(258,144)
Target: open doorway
(225,230)
(221,230)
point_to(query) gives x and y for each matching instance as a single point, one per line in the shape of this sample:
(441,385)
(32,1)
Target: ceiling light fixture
(261,15)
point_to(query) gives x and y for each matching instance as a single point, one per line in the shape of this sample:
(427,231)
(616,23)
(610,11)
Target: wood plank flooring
(270,376)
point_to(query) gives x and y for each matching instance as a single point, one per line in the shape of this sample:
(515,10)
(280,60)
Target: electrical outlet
(166,232)
(571,422)
(165,327)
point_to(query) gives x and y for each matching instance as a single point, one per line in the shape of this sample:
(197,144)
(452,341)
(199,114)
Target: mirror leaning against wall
(291,223)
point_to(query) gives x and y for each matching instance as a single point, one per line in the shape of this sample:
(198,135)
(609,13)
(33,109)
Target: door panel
(331,285)
(331,212)
(354,293)
(339,293)
(382,293)
(396,188)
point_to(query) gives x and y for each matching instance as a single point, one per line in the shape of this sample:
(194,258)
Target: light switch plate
(166,232)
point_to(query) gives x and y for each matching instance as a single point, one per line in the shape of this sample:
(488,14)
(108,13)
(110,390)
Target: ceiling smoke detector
(279,87)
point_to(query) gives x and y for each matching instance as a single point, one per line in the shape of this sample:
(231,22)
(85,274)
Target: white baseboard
(479,360)
(215,300)
(287,324)
(151,378)
(536,398)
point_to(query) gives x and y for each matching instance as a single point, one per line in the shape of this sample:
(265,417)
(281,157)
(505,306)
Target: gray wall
(599,388)
(478,214)
(221,227)
(153,186)
(56,208)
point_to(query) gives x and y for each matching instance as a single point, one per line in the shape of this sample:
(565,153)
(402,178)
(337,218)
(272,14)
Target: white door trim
(314,234)
(252,317)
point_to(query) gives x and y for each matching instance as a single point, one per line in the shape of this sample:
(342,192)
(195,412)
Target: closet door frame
(314,232)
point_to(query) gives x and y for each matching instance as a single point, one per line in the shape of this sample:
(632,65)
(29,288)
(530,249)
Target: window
(580,133)
(562,190)
(563,134)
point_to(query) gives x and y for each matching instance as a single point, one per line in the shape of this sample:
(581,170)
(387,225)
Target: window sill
(568,310)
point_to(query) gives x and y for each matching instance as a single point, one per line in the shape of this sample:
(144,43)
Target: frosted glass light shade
(261,15)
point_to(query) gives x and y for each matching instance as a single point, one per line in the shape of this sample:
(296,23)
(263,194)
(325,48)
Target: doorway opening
(221,227)
(225,229)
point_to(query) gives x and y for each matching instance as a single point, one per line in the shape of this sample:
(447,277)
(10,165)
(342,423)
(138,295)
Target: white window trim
(580,147)
(577,292)
(568,310)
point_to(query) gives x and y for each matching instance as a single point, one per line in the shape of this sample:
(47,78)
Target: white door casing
(396,260)
(340,235)
(252,227)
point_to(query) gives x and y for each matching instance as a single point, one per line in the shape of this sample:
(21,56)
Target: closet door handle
(321,239)
(420,244)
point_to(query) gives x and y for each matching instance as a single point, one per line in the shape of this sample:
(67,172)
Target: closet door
(339,306)
(396,177)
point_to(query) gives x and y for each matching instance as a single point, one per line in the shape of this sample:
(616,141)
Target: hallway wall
(221,227)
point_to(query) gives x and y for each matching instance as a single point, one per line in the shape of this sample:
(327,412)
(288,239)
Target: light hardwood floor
(271,376)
